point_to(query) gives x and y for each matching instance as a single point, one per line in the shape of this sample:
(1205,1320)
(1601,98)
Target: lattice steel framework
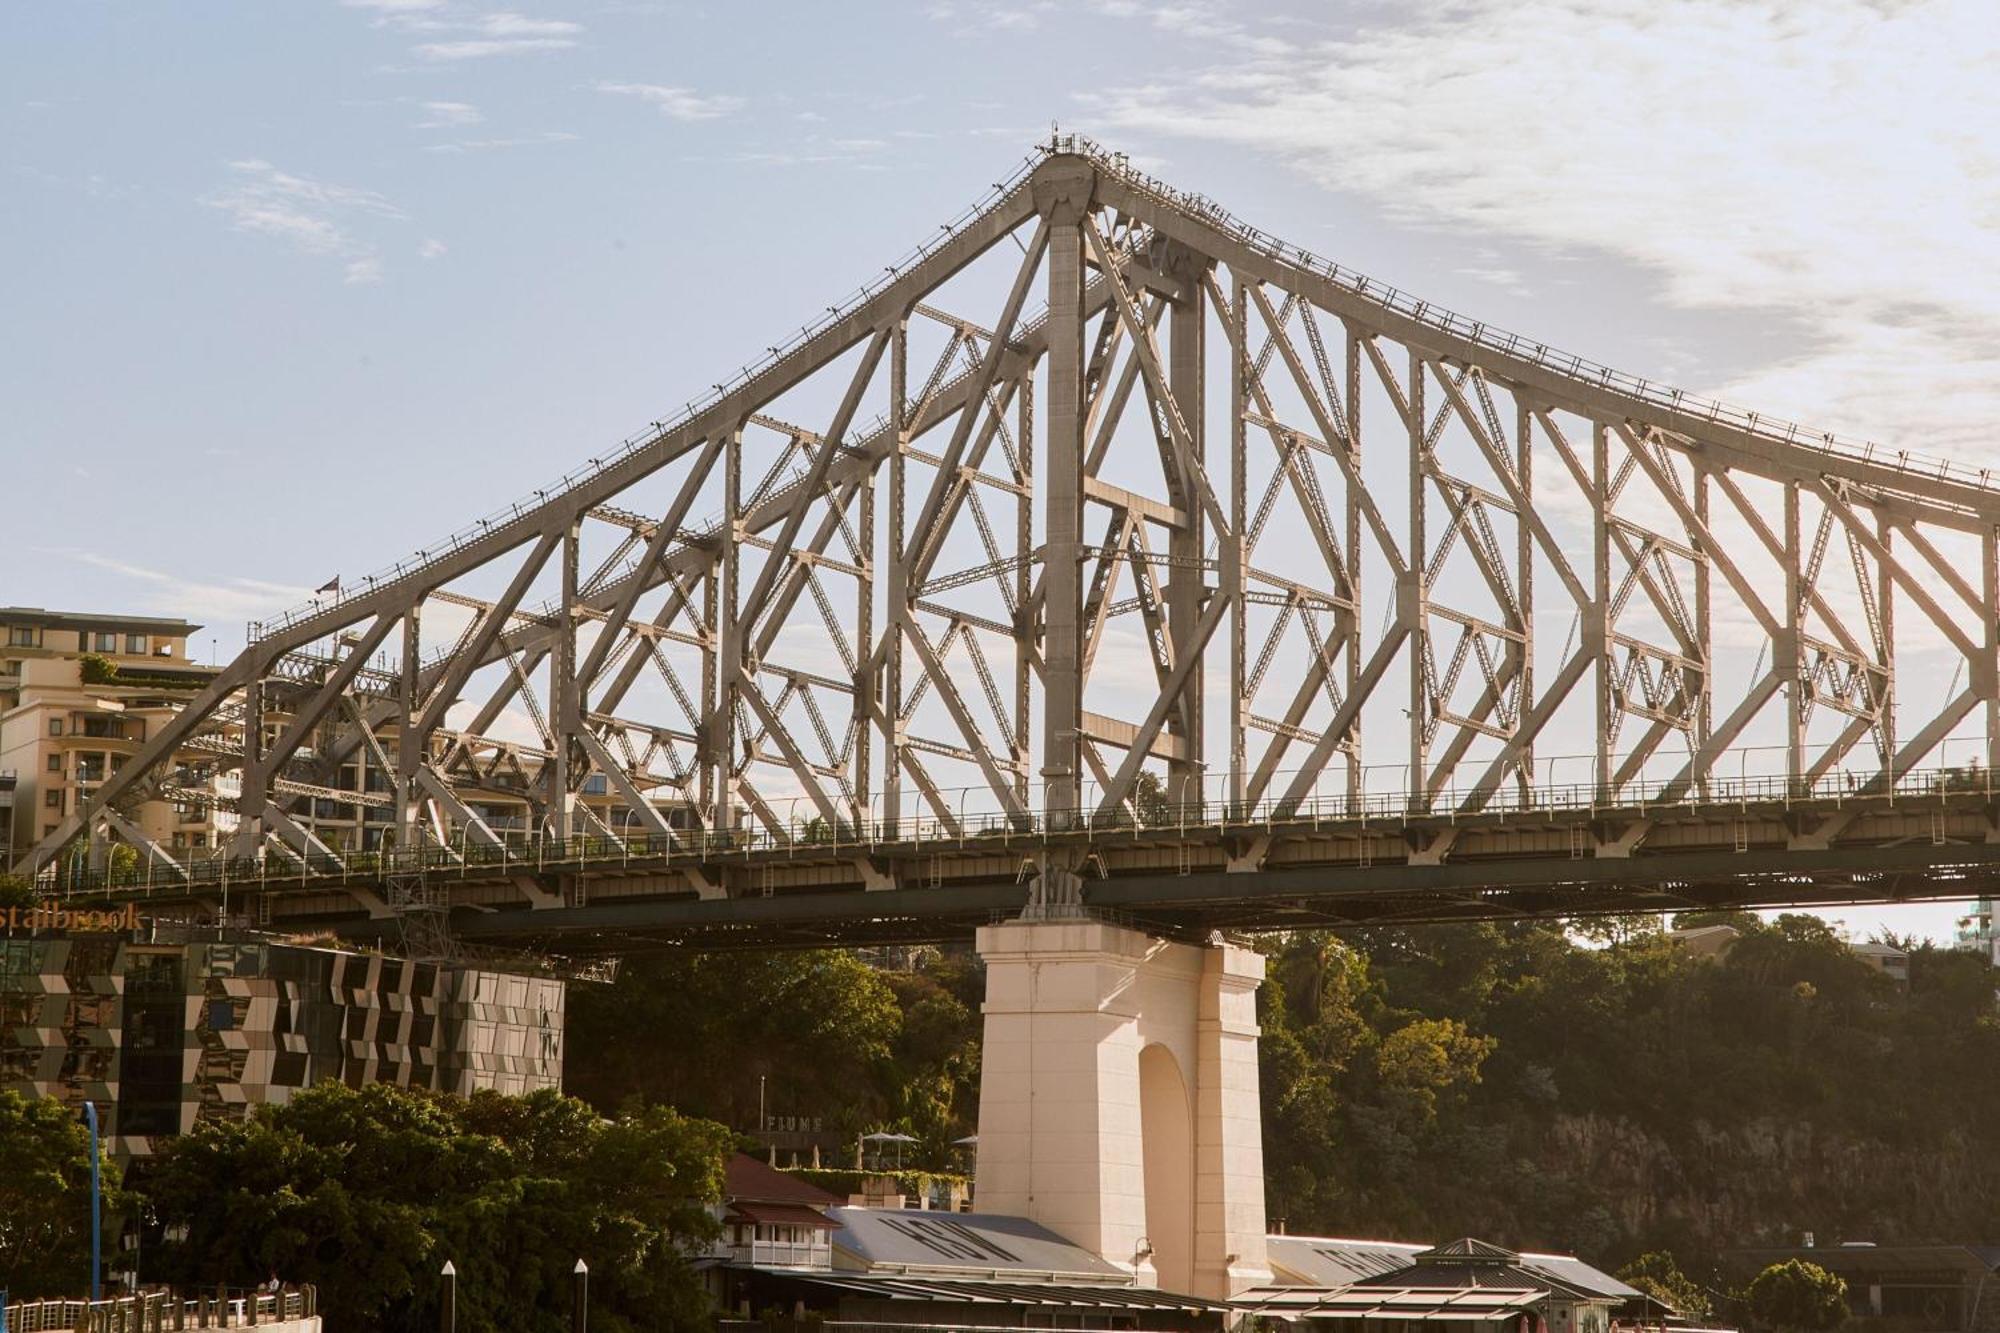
(1185,533)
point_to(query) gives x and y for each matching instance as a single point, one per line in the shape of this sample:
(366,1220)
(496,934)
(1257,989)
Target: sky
(295,286)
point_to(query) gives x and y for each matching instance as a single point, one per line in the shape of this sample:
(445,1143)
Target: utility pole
(96,1207)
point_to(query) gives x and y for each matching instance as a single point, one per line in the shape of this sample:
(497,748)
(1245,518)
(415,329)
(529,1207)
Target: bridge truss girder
(916,606)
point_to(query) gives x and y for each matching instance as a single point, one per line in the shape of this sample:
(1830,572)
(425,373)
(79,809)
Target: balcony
(780,1253)
(90,726)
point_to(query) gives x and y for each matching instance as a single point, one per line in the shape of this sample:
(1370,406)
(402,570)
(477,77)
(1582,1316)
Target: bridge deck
(1189,870)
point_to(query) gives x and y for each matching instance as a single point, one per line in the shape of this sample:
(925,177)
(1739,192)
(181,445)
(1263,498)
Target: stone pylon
(1118,1101)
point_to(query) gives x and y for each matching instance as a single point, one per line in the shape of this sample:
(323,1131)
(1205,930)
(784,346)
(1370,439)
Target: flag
(331,585)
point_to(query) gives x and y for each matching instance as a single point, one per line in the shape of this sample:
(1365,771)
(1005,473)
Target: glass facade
(161,1036)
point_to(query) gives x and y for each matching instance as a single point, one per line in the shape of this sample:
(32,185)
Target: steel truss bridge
(1108,553)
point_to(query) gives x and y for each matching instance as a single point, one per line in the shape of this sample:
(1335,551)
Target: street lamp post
(448,1310)
(579,1315)
(96,1208)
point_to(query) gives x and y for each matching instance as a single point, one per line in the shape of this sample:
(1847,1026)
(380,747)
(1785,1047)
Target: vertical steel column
(711,699)
(1062,718)
(1987,678)
(1524,563)
(1704,615)
(566,719)
(409,741)
(1790,653)
(249,840)
(1233,553)
(865,677)
(897,574)
(1885,600)
(1597,621)
(1023,740)
(1186,367)
(1356,776)
(721,728)
(1416,594)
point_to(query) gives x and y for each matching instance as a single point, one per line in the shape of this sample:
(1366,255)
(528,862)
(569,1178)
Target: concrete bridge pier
(1118,1101)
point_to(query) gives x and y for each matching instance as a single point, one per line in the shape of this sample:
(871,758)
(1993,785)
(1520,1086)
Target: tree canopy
(1601,1091)
(1659,1276)
(1797,1297)
(809,1033)
(367,1193)
(45,1197)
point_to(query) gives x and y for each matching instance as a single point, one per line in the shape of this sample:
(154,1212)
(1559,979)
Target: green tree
(813,1031)
(45,1197)
(1429,1059)
(1150,803)
(366,1193)
(1797,1297)
(1656,1274)
(16,891)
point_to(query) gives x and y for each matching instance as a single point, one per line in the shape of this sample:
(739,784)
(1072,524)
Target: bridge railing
(1205,813)
(163,1311)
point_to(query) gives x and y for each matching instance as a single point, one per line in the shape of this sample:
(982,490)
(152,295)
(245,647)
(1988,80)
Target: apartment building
(79,694)
(8,781)
(162,1029)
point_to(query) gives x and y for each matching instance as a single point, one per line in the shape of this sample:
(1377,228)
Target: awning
(1426,1305)
(985,1291)
(782,1215)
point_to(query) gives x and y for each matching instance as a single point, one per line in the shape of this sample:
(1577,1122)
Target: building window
(107,642)
(135,643)
(55,763)
(21,636)
(55,726)
(53,798)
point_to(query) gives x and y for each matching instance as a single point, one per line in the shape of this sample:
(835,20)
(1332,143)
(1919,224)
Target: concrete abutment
(1118,1099)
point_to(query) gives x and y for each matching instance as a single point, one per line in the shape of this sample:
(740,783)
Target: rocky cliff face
(1768,1180)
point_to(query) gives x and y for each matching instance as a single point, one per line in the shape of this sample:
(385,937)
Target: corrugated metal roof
(991,1243)
(1570,1271)
(1321,1261)
(781,1214)
(1465,1247)
(744,1177)
(1326,1261)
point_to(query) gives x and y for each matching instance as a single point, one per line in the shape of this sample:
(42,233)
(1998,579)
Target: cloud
(313,217)
(676,103)
(431,249)
(984,15)
(513,725)
(479,48)
(497,34)
(485,145)
(517,25)
(471,37)
(449,115)
(216,605)
(1797,182)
